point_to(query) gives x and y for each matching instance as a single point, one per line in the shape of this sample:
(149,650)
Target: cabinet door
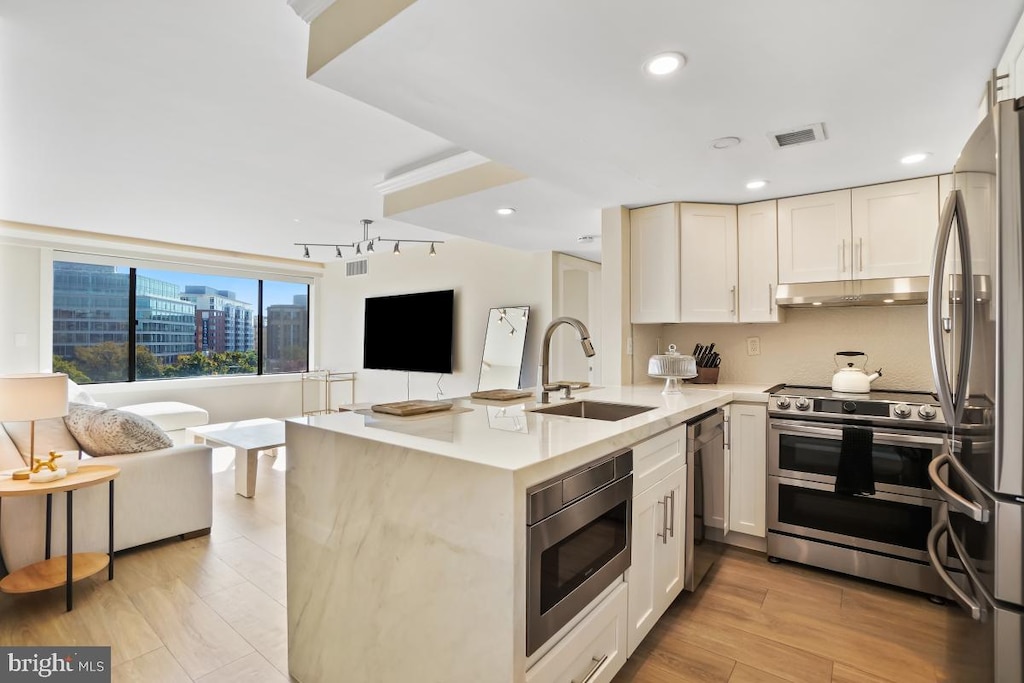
(748,440)
(758,250)
(708,282)
(655,574)
(654,263)
(894,228)
(814,237)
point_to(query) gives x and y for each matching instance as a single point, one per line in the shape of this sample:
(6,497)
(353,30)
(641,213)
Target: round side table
(65,569)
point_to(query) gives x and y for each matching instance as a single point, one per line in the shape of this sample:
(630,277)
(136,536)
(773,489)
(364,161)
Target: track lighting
(368,241)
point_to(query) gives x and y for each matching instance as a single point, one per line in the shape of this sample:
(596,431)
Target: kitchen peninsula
(406,537)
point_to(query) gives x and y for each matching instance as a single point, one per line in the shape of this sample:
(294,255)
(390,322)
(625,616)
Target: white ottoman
(174,417)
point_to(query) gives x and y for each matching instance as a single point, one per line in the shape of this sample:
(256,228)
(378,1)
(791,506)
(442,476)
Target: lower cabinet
(593,651)
(655,575)
(748,463)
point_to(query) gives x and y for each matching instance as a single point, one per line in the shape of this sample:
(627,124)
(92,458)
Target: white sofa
(159,494)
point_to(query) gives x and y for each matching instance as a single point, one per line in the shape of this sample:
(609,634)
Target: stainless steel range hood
(880,292)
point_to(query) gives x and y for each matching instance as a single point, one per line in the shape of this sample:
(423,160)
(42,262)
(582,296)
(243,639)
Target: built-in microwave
(578,541)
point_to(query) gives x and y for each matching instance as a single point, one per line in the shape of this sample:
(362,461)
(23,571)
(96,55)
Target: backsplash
(800,350)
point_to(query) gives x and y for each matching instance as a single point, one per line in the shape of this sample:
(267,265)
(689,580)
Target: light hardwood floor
(213,609)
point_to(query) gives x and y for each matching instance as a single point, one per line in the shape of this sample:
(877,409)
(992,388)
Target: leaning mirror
(504,345)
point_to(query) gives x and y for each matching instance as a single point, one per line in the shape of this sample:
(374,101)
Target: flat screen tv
(410,332)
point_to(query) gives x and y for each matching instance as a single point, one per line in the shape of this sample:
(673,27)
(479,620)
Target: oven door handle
(976,511)
(879,435)
(969,603)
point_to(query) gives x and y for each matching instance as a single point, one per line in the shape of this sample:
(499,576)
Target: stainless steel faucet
(543,387)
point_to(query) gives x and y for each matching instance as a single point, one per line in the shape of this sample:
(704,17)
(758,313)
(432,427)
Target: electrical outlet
(753,346)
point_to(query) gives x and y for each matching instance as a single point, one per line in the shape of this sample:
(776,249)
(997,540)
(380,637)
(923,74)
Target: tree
(108,362)
(193,364)
(70,369)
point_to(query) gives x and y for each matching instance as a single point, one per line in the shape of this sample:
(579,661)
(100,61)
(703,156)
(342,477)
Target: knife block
(706,376)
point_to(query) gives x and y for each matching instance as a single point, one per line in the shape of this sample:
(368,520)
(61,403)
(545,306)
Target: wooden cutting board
(405,408)
(501,394)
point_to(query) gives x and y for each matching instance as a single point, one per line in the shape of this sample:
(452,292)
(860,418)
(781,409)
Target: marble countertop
(509,436)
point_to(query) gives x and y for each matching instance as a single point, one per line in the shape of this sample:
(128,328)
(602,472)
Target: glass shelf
(323,381)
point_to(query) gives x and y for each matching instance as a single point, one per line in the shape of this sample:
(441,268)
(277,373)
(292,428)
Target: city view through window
(186,324)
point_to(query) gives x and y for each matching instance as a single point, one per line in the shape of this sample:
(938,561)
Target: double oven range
(881,536)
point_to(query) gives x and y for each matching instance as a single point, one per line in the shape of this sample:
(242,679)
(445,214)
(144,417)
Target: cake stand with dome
(672,367)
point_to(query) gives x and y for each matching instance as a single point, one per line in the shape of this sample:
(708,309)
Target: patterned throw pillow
(106,431)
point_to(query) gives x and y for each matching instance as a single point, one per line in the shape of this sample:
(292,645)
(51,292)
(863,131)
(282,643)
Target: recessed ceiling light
(506,211)
(915,158)
(888,301)
(724,143)
(664,63)
(756,184)
(815,303)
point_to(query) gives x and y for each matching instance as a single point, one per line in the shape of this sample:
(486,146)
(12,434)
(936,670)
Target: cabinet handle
(664,520)
(598,663)
(860,252)
(732,296)
(842,257)
(771,300)
(672,514)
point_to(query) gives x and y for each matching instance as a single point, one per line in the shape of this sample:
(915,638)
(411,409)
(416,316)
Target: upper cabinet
(683,263)
(877,231)
(654,263)
(894,228)
(708,286)
(814,237)
(758,262)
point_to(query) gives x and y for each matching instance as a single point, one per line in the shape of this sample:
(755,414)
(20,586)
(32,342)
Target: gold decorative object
(48,464)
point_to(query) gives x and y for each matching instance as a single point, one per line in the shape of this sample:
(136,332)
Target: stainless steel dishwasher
(705,445)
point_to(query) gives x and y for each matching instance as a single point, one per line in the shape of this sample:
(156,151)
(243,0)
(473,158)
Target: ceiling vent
(813,132)
(353,268)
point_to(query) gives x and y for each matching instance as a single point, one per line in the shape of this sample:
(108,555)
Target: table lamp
(31,397)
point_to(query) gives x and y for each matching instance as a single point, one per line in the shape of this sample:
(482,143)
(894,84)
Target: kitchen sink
(594,410)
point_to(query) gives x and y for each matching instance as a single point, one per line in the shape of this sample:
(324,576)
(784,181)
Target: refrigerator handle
(952,399)
(973,607)
(956,502)
(968,293)
(942,237)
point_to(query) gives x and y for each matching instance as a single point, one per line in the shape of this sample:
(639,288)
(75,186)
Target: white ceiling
(192,121)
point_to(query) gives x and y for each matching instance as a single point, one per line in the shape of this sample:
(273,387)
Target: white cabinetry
(757,254)
(683,262)
(748,462)
(656,572)
(814,237)
(654,263)
(869,232)
(894,228)
(593,651)
(708,282)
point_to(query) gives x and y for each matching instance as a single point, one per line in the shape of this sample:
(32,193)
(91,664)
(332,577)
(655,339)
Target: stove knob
(926,412)
(782,403)
(802,403)
(849,407)
(902,410)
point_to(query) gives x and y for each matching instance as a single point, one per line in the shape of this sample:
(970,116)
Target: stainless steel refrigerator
(976,330)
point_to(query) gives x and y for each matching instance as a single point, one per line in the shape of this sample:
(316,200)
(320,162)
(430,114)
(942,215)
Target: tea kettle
(851,379)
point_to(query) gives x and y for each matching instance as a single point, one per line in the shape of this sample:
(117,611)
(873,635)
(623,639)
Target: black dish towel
(856,473)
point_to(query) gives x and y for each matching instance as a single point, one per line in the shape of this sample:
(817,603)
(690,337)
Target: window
(185,324)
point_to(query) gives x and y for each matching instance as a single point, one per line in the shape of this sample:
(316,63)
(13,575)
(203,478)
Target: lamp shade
(35,396)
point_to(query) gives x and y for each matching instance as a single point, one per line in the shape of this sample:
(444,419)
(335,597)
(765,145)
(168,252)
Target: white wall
(800,350)
(483,276)
(19,309)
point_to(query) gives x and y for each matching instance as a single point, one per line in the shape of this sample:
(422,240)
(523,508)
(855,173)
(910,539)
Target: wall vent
(353,268)
(812,132)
